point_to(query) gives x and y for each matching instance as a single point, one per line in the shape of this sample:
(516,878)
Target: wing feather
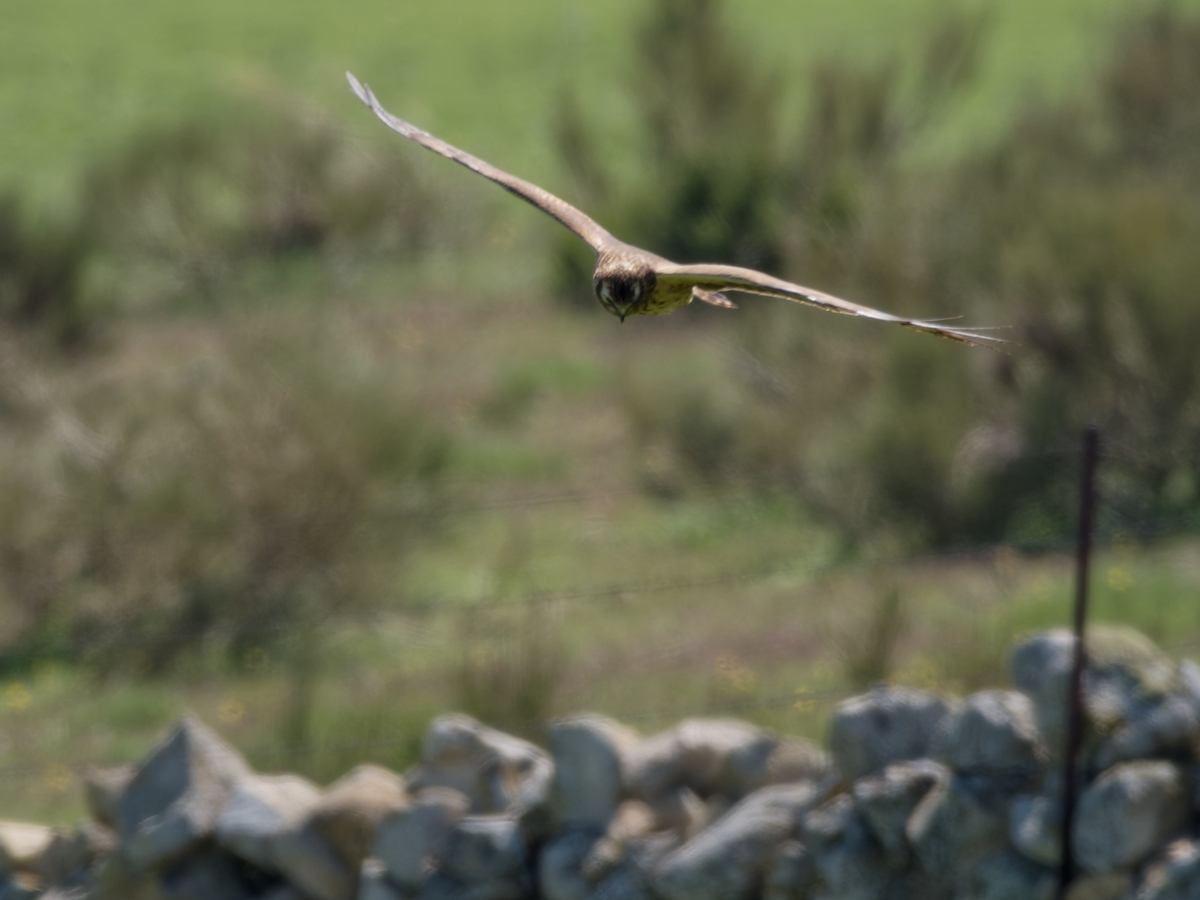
(735,278)
(575,220)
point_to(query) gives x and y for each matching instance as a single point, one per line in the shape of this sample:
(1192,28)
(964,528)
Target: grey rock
(790,873)
(588,753)
(691,755)
(990,733)
(348,813)
(19,886)
(373,883)
(1126,675)
(629,877)
(633,819)
(679,810)
(623,884)
(115,879)
(70,853)
(1007,875)
(22,846)
(884,726)
(1041,669)
(1035,827)
(1159,724)
(441,888)
(632,840)
(1126,813)
(497,772)
(1112,886)
(283,891)
(1176,876)
(410,841)
(260,808)
(849,863)
(560,867)
(58,892)
(728,859)
(205,875)
(102,790)
(173,802)
(306,859)
(887,800)
(488,854)
(956,825)
(771,759)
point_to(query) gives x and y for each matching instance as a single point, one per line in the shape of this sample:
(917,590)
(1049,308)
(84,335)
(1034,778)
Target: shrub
(220,508)
(510,668)
(1076,229)
(42,270)
(197,202)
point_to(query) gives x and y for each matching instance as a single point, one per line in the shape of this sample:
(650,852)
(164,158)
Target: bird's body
(630,281)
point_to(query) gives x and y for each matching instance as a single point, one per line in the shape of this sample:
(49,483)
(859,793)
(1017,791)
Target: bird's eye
(604,292)
(637,290)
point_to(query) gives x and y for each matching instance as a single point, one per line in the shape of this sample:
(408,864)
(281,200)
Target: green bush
(197,202)
(511,665)
(42,268)
(1077,229)
(225,507)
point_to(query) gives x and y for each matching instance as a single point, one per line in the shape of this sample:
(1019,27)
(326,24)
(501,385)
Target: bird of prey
(630,281)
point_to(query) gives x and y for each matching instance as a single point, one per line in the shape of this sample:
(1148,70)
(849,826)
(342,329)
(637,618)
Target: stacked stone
(923,797)
(963,799)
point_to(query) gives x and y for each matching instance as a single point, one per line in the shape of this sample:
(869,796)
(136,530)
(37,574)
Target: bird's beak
(621,316)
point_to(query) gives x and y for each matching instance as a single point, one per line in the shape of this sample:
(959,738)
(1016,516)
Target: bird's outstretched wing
(714,278)
(579,223)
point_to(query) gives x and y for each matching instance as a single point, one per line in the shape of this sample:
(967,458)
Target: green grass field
(75,81)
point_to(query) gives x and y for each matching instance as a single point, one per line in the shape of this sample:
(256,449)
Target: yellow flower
(17,696)
(231,711)
(58,777)
(739,676)
(1119,579)
(804,703)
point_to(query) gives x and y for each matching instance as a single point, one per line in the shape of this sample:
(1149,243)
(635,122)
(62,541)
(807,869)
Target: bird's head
(621,291)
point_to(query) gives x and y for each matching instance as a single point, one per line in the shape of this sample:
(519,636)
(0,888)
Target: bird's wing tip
(361,91)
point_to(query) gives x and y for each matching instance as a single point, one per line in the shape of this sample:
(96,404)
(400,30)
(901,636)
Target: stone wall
(922,796)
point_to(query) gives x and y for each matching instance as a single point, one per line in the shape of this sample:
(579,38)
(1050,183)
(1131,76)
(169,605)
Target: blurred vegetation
(41,275)
(319,523)
(177,215)
(1076,231)
(186,208)
(215,508)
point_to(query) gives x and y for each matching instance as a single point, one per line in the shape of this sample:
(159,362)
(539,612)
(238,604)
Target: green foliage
(219,507)
(869,645)
(1080,227)
(1077,230)
(42,267)
(510,656)
(196,203)
(510,666)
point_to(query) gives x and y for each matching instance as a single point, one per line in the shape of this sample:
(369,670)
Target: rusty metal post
(1087,506)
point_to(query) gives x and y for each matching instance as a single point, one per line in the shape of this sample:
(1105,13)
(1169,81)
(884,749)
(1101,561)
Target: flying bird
(630,281)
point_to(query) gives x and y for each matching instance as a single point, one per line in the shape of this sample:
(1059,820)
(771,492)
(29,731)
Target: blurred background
(317,435)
